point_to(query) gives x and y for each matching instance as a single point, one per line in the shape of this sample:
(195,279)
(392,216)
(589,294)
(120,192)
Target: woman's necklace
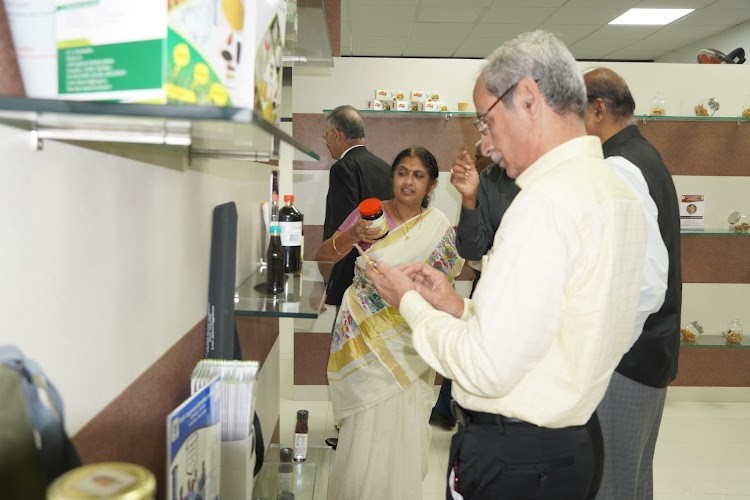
(404,228)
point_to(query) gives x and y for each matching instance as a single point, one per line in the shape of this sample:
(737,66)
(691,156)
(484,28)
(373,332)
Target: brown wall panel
(715,259)
(713,367)
(132,428)
(387,135)
(701,147)
(311,358)
(10,74)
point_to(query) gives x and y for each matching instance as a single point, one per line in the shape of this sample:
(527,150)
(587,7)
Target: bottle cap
(285,455)
(289,197)
(274,230)
(370,206)
(302,414)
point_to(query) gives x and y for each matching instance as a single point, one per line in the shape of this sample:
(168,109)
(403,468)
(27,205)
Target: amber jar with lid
(371,209)
(113,480)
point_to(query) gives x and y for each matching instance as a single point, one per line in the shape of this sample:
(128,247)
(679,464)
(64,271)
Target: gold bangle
(333,243)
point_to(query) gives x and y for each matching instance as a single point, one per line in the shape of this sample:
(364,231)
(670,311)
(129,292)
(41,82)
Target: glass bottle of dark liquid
(290,220)
(275,262)
(300,437)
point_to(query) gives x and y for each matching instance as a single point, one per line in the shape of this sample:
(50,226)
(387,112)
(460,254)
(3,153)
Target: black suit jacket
(652,360)
(355,177)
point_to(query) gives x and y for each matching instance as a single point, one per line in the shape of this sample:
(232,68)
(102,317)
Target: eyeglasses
(481,120)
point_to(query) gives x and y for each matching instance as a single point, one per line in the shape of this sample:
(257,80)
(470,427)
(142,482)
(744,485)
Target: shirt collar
(346,151)
(585,145)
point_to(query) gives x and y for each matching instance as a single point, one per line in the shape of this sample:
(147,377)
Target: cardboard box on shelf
(191,51)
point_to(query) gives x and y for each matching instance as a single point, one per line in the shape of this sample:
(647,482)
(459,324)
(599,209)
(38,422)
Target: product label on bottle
(381,224)
(300,447)
(291,234)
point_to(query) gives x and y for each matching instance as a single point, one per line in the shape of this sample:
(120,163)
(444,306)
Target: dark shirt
(358,175)
(652,360)
(476,228)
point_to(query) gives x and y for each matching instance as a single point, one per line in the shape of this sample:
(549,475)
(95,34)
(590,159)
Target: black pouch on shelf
(34,447)
(220,332)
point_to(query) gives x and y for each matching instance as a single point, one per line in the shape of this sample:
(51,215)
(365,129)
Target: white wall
(104,260)
(725,42)
(354,80)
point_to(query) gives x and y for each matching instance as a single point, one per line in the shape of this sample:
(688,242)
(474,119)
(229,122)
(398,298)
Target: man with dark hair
(630,413)
(356,175)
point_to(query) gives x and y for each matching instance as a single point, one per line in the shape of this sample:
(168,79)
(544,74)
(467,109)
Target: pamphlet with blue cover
(194,446)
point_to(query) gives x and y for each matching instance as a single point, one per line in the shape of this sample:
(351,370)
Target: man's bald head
(605,84)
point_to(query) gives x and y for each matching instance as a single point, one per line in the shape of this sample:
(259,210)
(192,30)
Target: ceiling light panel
(650,17)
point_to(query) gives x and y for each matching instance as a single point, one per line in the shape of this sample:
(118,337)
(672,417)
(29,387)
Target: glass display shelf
(671,118)
(472,114)
(713,231)
(201,131)
(302,297)
(408,114)
(309,478)
(716,341)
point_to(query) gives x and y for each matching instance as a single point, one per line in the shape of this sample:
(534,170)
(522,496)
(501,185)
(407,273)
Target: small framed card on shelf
(692,209)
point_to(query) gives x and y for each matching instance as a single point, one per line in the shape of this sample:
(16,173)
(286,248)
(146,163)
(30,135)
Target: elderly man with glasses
(532,352)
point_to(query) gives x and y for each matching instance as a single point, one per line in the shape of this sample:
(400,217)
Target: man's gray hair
(348,120)
(543,57)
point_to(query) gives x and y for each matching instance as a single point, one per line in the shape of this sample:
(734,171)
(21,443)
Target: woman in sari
(381,390)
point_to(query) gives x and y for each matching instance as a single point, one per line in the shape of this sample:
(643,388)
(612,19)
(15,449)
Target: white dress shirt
(555,307)
(656,259)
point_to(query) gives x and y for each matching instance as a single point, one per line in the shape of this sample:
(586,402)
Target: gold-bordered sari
(372,355)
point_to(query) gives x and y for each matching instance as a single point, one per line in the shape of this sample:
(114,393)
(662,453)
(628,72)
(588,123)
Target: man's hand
(393,282)
(465,178)
(390,282)
(435,288)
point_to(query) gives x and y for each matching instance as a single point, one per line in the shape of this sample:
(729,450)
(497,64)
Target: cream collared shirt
(555,307)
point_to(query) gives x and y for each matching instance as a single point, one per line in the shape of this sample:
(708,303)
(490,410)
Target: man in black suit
(630,413)
(356,175)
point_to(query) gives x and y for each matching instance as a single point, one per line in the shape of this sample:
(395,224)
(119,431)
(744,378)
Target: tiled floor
(703,452)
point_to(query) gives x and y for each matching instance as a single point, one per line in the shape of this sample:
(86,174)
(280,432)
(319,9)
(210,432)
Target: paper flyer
(692,209)
(194,446)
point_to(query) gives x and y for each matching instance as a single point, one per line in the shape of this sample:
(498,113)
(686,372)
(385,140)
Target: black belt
(464,417)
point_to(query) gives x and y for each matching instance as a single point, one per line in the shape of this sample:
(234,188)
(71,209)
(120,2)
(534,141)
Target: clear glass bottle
(275,262)
(300,436)
(733,335)
(290,220)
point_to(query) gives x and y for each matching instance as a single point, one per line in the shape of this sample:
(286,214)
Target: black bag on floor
(34,447)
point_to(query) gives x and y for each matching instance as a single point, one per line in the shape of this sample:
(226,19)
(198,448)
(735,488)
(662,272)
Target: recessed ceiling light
(651,16)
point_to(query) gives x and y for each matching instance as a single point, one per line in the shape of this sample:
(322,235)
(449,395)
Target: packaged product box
(692,209)
(418,96)
(400,105)
(398,94)
(200,52)
(432,95)
(436,106)
(375,105)
(383,95)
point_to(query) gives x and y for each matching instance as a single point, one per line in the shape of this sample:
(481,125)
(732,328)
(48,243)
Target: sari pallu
(372,356)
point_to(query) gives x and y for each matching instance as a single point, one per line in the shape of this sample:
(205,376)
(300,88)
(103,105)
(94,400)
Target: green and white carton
(199,52)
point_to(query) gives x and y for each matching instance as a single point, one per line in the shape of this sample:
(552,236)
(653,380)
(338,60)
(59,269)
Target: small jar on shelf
(689,334)
(746,108)
(733,335)
(658,107)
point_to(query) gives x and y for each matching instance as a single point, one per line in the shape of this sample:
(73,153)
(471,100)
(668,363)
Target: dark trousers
(522,461)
